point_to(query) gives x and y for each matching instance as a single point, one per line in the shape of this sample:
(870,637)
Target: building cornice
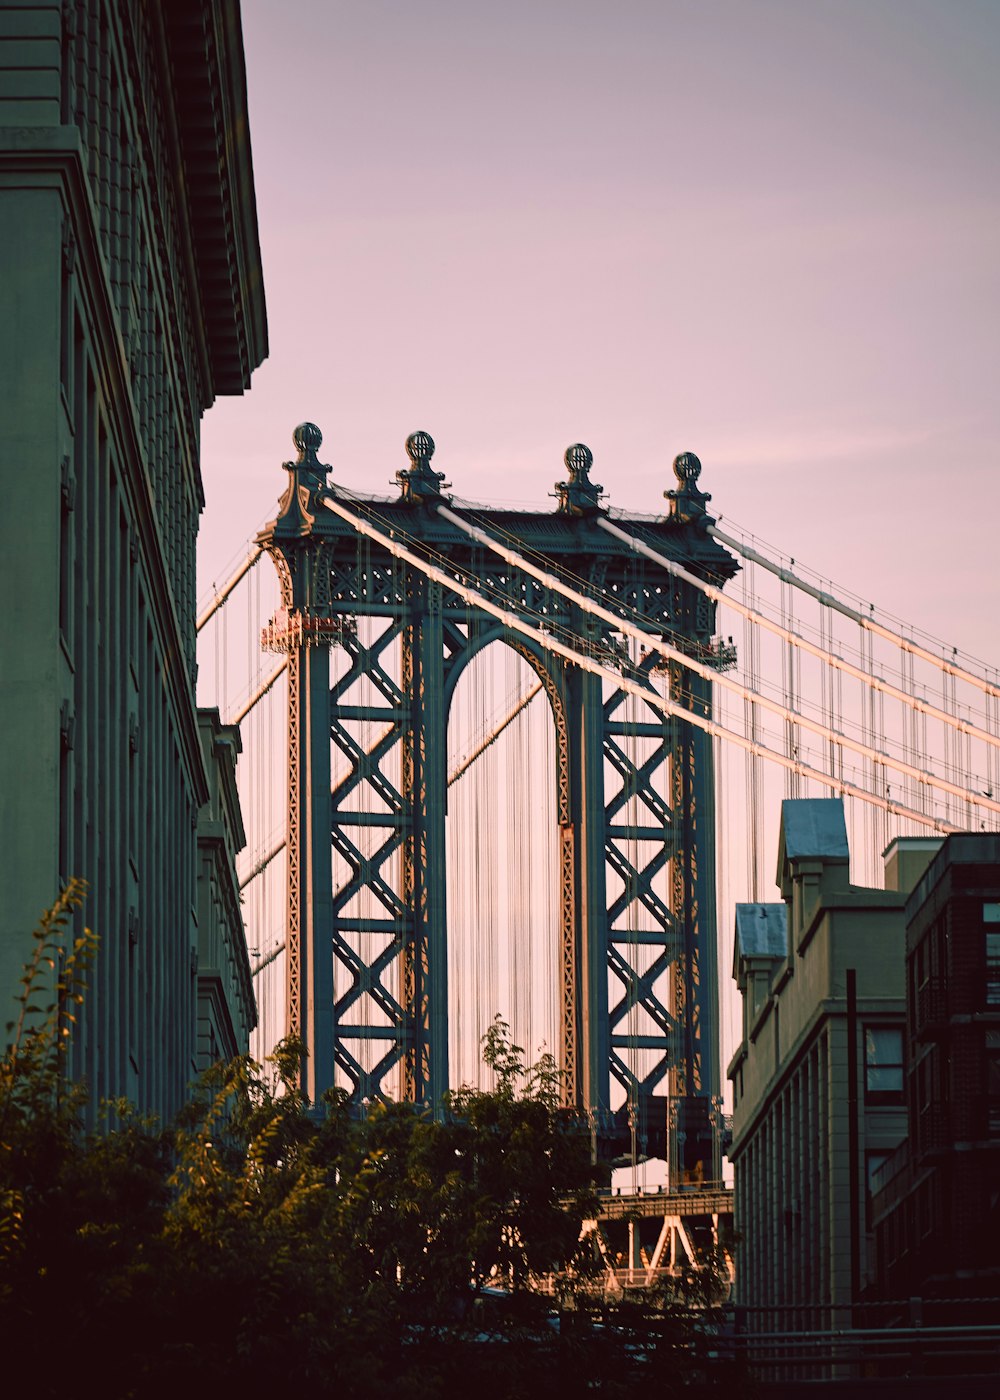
(204,46)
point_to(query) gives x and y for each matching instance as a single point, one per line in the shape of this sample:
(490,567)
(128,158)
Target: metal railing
(910,1337)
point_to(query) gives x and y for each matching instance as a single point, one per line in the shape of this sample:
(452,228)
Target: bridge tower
(376,840)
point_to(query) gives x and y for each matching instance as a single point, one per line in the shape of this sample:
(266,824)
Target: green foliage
(38,1109)
(255,1245)
(528,1163)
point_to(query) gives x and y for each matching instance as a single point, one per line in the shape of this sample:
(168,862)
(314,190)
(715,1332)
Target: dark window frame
(881,1086)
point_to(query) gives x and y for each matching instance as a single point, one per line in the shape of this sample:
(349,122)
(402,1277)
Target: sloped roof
(761,930)
(812,828)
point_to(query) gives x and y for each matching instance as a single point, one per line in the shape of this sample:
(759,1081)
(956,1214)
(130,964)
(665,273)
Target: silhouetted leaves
(255,1245)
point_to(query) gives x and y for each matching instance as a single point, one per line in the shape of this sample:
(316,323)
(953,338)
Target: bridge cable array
(618,667)
(515,622)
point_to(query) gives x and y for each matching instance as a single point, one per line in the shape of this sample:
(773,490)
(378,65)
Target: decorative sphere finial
(688,502)
(419,447)
(579,495)
(307,475)
(687,468)
(579,459)
(307,439)
(420,482)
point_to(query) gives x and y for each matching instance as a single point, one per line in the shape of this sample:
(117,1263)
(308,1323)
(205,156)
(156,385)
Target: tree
(251,1247)
(530,1165)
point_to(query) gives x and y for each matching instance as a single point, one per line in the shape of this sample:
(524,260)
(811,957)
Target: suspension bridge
(526,763)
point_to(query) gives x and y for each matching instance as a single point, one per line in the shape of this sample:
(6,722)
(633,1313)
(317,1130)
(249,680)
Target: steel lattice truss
(634,792)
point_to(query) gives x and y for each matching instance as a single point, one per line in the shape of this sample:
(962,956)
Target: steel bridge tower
(377,839)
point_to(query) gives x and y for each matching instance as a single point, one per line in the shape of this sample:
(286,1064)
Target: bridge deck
(710,1200)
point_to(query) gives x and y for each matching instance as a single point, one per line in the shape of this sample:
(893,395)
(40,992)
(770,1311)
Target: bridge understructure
(673,1241)
(409,591)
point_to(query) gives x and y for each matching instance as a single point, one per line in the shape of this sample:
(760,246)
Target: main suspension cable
(224,592)
(829,600)
(656,643)
(839,662)
(586,662)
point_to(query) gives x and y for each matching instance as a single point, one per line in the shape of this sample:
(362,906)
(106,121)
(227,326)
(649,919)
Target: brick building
(937,1202)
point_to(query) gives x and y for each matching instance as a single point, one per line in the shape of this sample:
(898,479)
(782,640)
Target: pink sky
(766,231)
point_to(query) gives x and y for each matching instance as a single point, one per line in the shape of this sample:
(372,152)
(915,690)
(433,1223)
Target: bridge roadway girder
(687,1204)
(648,1239)
(402,669)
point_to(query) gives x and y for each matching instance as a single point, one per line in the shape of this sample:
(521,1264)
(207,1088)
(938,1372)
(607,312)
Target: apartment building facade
(131,295)
(817,1079)
(937,1201)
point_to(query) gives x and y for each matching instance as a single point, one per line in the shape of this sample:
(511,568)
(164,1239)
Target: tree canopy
(256,1243)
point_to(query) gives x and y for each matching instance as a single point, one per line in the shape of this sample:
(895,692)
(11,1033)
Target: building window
(883,1064)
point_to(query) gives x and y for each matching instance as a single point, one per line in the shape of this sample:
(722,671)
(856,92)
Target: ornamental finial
(309,470)
(579,495)
(420,448)
(306,476)
(308,440)
(420,482)
(687,503)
